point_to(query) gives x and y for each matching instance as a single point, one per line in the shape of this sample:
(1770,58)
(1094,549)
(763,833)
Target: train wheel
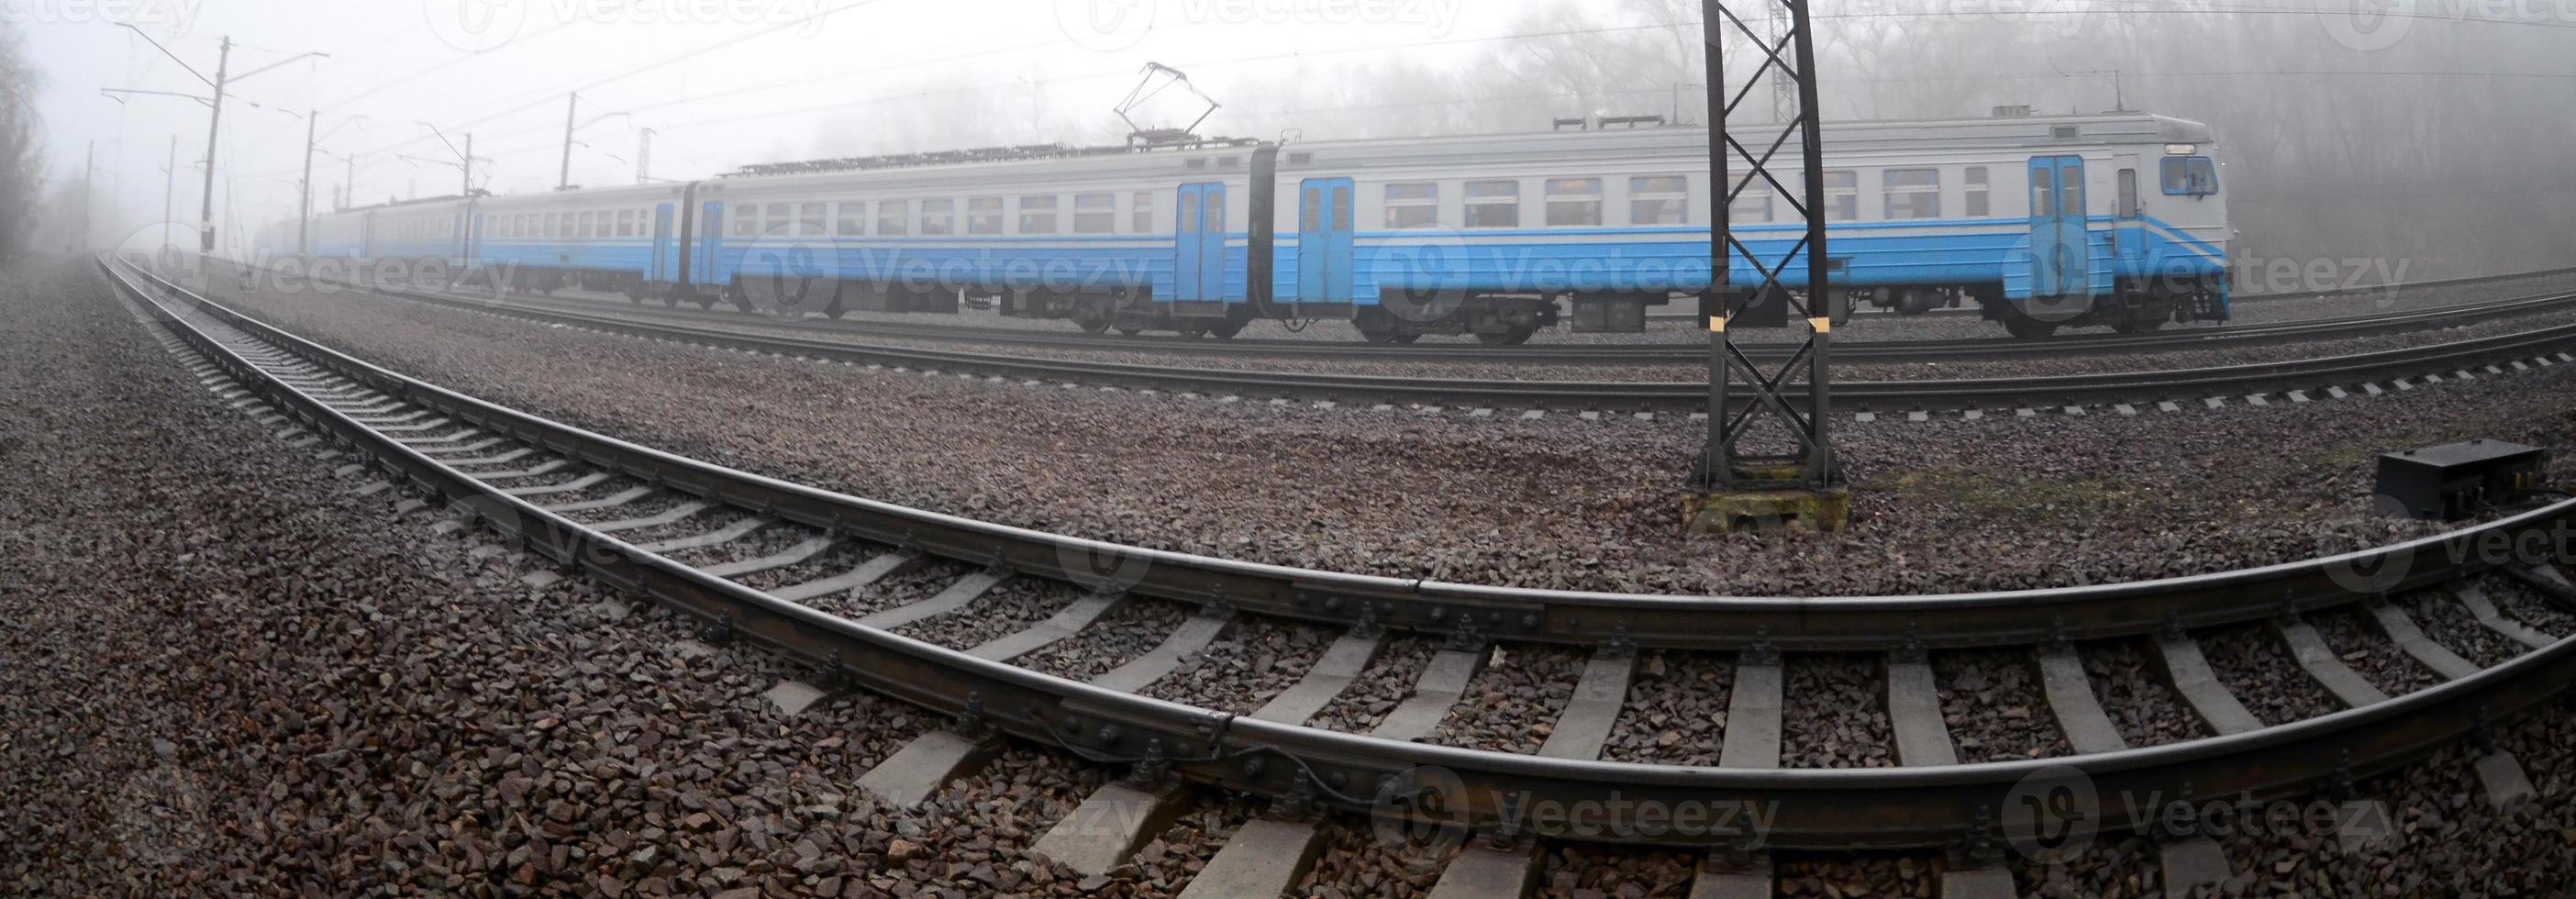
(1521,335)
(1374,335)
(1492,339)
(671,299)
(2140,327)
(1131,332)
(1194,332)
(1407,338)
(2028,328)
(1093,325)
(1227,330)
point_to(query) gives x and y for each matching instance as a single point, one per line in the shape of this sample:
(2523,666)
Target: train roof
(1911,134)
(1220,157)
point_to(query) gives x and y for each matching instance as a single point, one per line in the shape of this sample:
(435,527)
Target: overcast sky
(2352,127)
(722,82)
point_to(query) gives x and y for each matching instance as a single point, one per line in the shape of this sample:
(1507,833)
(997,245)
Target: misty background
(2416,139)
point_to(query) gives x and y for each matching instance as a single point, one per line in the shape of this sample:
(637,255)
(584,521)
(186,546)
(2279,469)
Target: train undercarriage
(2136,305)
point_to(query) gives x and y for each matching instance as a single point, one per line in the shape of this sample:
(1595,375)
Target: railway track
(1068,643)
(2125,393)
(1848,351)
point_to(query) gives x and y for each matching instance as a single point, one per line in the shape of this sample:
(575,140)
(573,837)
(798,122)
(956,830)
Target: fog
(2421,141)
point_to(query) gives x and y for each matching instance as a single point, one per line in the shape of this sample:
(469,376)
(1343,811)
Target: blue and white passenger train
(2111,220)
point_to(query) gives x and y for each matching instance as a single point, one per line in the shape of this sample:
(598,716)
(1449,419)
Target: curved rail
(1870,397)
(1496,792)
(1847,351)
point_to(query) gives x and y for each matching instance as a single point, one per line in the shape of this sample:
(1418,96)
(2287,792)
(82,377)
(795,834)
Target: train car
(2044,222)
(620,240)
(1127,240)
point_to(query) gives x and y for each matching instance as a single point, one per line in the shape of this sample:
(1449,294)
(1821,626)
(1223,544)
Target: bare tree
(21,161)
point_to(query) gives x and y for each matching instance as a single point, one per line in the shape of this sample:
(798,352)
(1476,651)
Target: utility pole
(469,168)
(644,158)
(89,173)
(563,180)
(1784,84)
(214,122)
(304,190)
(1734,487)
(169,191)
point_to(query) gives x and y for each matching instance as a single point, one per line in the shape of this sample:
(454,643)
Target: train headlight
(2181,149)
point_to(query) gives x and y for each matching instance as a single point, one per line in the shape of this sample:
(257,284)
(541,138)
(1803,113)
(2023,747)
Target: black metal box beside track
(2451,481)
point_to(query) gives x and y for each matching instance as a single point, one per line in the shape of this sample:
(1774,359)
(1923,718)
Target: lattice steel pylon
(1733,486)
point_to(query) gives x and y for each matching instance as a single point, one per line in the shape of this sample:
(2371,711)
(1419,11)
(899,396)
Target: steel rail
(1875,397)
(1496,793)
(1860,351)
(1477,612)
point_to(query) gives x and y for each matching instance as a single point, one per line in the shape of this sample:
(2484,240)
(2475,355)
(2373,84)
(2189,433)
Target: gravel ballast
(2134,694)
(1945,505)
(333,704)
(225,673)
(2252,662)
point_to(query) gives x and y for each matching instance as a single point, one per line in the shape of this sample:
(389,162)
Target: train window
(2128,193)
(894,218)
(1573,202)
(851,219)
(810,218)
(1412,205)
(1911,193)
(2070,199)
(746,220)
(546,226)
(1493,204)
(1214,223)
(605,225)
(1310,209)
(2190,176)
(1659,200)
(984,215)
(1037,215)
(1980,204)
(2043,195)
(1752,204)
(1095,214)
(625,223)
(1842,196)
(937,217)
(1342,207)
(1144,213)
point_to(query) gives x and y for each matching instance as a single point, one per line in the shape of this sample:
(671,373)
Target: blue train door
(1324,241)
(666,262)
(2060,251)
(702,261)
(462,242)
(1198,271)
